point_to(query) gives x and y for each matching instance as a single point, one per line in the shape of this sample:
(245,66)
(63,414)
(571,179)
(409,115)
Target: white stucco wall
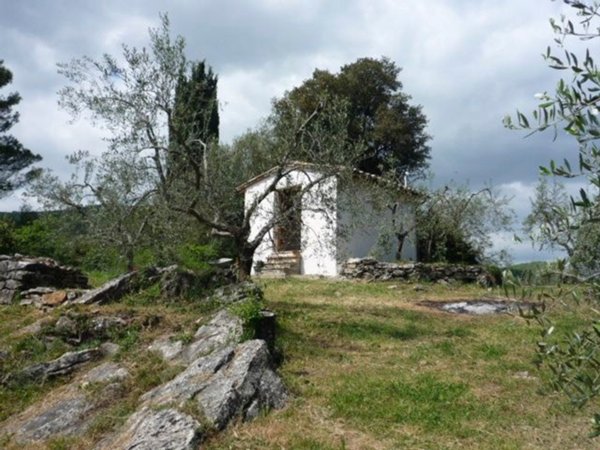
(318,249)
(336,224)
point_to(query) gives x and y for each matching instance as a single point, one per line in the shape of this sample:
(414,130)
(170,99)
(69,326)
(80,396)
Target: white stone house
(336,220)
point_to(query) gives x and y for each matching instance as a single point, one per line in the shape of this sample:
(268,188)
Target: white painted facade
(333,229)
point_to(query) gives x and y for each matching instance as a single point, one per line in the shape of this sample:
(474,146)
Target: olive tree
(572,108)
(134,98)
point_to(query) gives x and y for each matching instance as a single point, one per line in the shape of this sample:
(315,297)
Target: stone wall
(371,269)
(21,273)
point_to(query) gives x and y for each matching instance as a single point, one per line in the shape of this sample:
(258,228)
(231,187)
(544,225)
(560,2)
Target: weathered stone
(34,328)
(248,377)
(192,380)
(166,348)
(236,292)
(62,417)
(225,384)
(109,348)
(21,274)
(54,298)
(177,282)
(100,326)
(110,291)
(65,326)
(371,269)
(67,363)
(68,411)
(7,296)
(222,330)
(165,429)
(107,372)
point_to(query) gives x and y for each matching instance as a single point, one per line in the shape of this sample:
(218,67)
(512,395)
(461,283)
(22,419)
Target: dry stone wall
(371,269)
(22,273)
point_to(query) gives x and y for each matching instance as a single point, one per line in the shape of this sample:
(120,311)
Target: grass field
(367,367)
(370,369)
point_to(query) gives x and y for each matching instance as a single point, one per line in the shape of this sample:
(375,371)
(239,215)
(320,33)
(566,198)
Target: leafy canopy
(380,115)
(14,158)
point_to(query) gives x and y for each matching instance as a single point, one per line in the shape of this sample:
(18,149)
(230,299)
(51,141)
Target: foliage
(196,110)
(379,114)
(455,224)
(111,197)
(136,101)
(249,311)
(14,158)
(573,108)
(552,220)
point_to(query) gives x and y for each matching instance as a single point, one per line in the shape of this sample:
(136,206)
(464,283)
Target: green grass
(367,368)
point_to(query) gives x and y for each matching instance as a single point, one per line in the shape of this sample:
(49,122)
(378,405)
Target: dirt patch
(480,307)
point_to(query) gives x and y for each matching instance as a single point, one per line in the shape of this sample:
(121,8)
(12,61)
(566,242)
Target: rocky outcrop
(371,269)
(111,290)
(21,273)
(235,292)
(64,365)
(223,380)
(165,429)
(68,411)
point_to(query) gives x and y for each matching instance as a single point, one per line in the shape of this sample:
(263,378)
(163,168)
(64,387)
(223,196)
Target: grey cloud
(468,62)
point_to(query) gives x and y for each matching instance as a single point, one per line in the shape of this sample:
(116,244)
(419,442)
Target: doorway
(288,230)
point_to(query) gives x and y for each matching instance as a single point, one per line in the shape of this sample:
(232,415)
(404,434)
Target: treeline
(66,237)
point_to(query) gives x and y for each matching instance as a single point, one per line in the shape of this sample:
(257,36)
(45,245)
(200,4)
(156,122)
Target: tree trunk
(244,261)
(401,238)
(129,255)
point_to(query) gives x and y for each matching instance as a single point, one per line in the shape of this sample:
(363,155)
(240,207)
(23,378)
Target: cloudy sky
(467,62)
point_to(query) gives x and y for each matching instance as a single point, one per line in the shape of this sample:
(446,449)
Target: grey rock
(236,292)
(371,269)
(100,326)
(67,363)
(224,329)
(191,381)
(165,429)
(63,417)
(109,348)
(110,291)
(246,379)
(176,282)
(68,411)
(7,296)
(65,325)
(34,328)
(107,372)
(166,348)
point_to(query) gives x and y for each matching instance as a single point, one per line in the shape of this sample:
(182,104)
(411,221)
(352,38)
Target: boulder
(176,283)
(246,385)
(165,429)
(64,365)
(222,330)
(110,291)
(236,292)
(68,411)
(228,383)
